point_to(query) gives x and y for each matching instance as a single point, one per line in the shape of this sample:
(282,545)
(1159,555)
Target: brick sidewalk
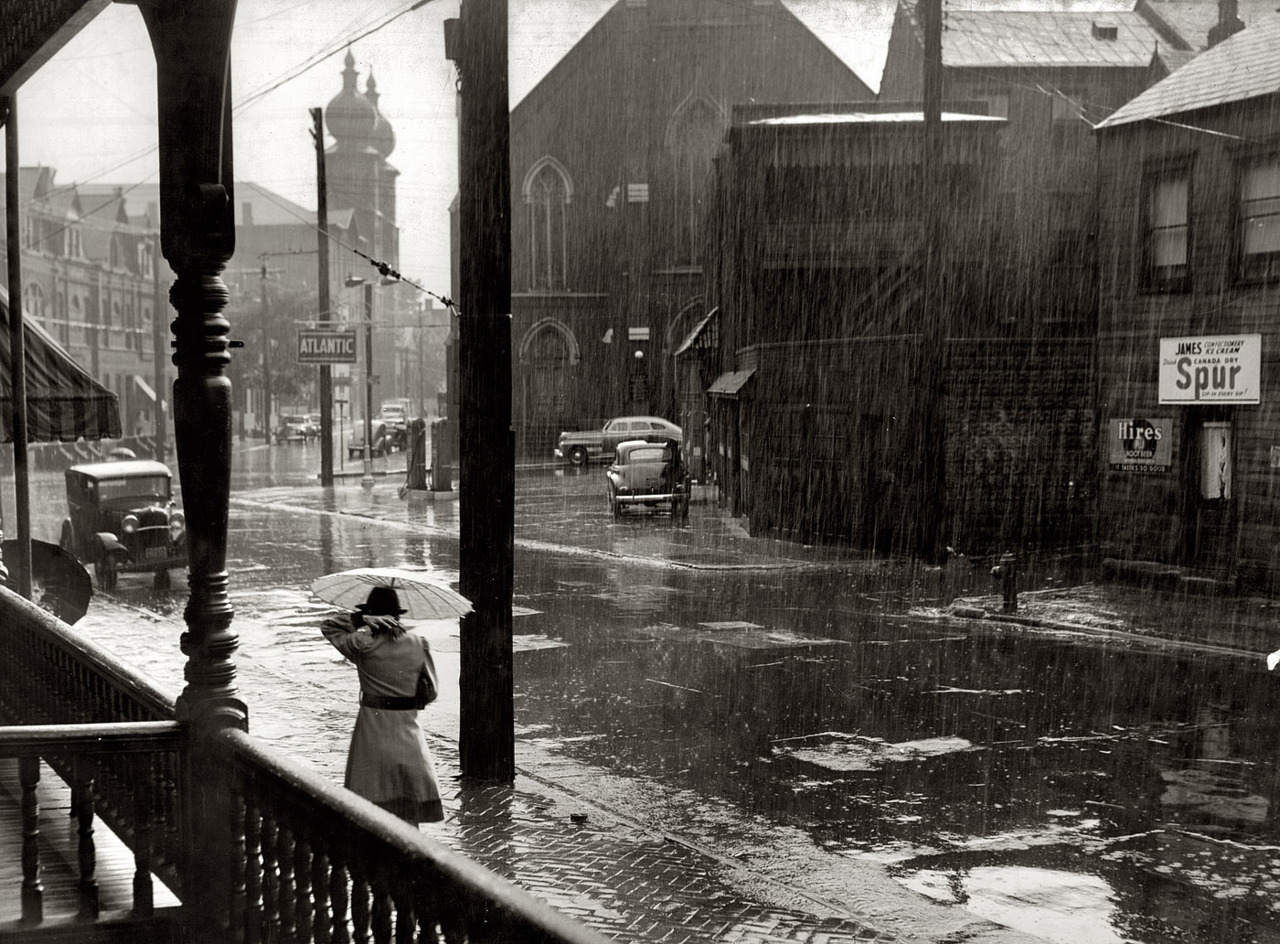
(627,881)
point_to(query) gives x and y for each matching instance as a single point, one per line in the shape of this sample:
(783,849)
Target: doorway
(1209,530)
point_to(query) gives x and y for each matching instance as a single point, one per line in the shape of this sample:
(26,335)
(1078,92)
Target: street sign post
(326,347)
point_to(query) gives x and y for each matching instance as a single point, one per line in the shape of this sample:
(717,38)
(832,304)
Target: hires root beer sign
(1140,445)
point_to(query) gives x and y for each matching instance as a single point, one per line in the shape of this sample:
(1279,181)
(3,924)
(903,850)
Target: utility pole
(478,44)
(158,349)
(933,349)
(367,478)
(17,346)
(266,356)
(322,246)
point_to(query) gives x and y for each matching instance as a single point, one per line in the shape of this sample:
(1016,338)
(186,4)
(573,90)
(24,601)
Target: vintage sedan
(296,427)
(379,442)
(123,519)
(648,473)
(580,448)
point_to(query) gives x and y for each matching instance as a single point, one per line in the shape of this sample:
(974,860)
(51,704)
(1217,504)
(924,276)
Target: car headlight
(177,525)
(129,524)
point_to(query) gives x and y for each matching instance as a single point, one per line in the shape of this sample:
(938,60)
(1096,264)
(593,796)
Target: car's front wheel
(67,540)
(578,456)
(162,581)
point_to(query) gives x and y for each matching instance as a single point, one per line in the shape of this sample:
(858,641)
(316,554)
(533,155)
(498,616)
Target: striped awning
(64,402)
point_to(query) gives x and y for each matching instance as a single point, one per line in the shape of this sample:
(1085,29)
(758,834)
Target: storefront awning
(145,388)
(729,383)
(64,402)
(702,336)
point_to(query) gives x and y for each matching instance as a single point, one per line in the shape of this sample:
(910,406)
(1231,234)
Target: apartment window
(1168,232)
(1260,220)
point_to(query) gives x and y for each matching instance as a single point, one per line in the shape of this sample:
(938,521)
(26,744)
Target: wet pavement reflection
(1078,790)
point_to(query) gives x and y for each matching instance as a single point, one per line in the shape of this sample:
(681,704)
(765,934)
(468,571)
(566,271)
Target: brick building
(91,280)
(610,162)
(1190,303)
(823,421)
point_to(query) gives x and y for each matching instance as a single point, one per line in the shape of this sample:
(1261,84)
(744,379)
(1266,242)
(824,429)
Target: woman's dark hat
(382,602)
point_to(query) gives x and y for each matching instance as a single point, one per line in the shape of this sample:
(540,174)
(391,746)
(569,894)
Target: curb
(964,612)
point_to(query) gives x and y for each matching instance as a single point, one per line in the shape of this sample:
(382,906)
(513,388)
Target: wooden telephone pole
(322,244)
(933,348)
(478,44)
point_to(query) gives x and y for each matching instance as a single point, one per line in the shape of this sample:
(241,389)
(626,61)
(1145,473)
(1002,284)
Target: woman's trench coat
(388,761)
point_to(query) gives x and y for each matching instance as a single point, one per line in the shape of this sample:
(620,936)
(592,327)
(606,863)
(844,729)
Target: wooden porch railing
(307,861)
(95,759)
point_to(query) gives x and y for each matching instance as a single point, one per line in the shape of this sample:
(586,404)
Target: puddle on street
(1084,794)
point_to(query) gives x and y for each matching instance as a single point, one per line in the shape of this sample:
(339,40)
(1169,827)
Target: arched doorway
(548,358)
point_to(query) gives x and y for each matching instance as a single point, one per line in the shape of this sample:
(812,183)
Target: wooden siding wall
(1144,516)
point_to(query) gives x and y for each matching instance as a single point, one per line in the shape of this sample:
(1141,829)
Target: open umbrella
(422,596)
(59,582)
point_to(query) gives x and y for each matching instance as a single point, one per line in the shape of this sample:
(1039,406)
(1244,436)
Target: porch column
(192,44)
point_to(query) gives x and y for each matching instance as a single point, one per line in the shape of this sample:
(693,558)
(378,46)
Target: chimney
(1228,22)
(246,213)
(1105,31)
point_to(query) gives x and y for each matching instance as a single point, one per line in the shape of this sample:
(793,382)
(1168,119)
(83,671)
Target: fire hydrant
(1007,573)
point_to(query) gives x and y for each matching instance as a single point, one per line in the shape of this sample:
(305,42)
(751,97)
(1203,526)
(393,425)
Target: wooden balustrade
(308,860)
(79,748)
(318,863)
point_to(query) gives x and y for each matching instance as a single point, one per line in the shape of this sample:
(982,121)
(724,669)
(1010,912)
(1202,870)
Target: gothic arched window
(693,135)
(547,192)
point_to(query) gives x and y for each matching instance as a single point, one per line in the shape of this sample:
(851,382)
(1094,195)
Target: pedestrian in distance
(388,761)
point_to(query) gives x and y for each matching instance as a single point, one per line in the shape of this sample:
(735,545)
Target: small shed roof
(1240,68)
(730,382)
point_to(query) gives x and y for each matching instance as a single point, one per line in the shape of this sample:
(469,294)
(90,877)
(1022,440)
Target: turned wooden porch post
(192,43)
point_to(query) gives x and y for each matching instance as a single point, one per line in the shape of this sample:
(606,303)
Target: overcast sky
(91,111)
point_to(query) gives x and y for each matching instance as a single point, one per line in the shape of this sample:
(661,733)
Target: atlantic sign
(1218,369)
(326,347)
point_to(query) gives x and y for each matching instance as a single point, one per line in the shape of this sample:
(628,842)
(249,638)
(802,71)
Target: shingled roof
(1047,39)
(1243,67)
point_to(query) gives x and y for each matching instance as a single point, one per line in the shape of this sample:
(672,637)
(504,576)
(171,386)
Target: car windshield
(649,454)
(295,420)
(142,486)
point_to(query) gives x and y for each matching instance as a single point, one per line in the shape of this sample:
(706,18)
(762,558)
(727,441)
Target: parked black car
(123,519)
(648,474)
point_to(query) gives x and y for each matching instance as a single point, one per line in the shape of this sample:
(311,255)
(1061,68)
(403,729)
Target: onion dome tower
(359,177)
(382,136)
(350,116)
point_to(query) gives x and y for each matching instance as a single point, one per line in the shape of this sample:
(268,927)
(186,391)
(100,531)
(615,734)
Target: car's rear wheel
(578,456)
(106,573)
(162,581)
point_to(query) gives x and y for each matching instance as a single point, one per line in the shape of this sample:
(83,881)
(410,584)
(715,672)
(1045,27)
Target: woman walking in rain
(388,761)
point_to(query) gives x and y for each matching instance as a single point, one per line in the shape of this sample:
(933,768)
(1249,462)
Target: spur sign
(1218,369)
(326,347)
